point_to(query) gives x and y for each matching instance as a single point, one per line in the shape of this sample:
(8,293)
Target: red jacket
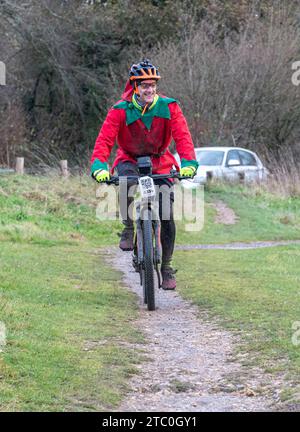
(135,139)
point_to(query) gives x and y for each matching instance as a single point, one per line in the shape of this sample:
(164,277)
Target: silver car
(229,163)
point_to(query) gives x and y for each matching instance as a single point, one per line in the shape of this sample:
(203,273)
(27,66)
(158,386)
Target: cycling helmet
(143,70)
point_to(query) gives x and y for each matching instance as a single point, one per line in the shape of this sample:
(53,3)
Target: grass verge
(262,216)
(70,330)
(256,295)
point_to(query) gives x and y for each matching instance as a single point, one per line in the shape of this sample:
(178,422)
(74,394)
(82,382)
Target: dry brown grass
(285,174)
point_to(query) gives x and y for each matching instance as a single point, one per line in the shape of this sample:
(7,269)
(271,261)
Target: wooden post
(20,165)
(64,168)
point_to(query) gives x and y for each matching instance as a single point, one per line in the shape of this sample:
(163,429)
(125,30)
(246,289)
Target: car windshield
(210,157)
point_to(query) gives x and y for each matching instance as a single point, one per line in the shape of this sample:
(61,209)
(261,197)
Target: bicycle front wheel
(148,279)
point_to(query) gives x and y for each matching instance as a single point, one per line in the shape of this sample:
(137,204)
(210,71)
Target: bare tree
(238,92)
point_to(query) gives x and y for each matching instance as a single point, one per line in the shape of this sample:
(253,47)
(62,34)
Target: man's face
(147,91)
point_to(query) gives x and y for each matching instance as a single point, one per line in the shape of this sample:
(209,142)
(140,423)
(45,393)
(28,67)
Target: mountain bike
(147,245)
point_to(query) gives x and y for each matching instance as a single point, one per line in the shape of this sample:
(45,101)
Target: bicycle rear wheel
(148,279)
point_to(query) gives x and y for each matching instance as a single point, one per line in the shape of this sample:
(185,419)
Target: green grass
(65,314)
(256,295)
(55,211)
(69,321)
(52,211)
(262,216)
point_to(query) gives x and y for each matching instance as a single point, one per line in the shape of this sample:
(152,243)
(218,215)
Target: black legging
(166,215)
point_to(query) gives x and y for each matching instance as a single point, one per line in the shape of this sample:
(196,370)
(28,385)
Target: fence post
(64,168)
(20,165)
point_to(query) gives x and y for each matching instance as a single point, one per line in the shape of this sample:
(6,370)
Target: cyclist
(143,123)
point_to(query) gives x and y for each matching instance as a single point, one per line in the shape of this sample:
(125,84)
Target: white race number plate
(147,187)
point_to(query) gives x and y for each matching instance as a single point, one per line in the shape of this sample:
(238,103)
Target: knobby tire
(148,279)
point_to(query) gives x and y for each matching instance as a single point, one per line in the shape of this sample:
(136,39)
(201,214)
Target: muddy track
(191,365)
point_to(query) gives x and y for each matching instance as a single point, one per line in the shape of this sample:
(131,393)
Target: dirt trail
(240,245)
(224,215)
(190,363)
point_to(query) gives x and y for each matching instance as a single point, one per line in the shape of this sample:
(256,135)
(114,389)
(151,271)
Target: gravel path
(190,363)
(239,245)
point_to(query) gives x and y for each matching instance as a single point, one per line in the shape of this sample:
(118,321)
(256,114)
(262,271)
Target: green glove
(101,175)
(188,171)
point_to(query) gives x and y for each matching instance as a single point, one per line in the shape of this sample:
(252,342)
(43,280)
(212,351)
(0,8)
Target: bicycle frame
(147,243)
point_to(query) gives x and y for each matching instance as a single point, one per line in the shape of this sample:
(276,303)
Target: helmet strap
(136,90)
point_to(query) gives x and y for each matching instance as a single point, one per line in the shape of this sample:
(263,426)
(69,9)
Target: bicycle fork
(157,249)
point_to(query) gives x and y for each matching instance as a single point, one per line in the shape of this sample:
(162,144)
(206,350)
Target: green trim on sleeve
(185,163)
(96,165)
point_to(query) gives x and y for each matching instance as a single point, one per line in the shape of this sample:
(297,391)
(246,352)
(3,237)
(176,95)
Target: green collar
(160,109)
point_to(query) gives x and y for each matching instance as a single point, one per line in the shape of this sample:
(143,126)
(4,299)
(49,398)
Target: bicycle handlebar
(173,174)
